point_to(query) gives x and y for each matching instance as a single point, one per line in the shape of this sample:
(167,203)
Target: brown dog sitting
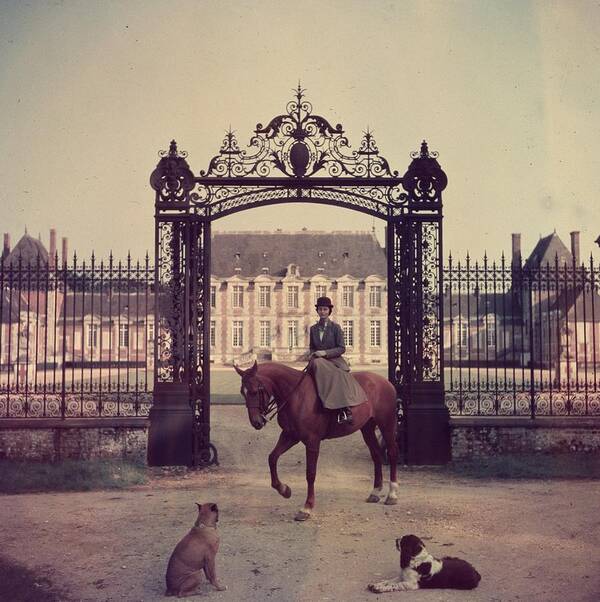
(195,553)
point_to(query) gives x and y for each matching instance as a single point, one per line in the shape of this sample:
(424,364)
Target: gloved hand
(319,353)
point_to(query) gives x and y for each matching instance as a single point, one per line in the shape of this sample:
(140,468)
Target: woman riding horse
(336,388)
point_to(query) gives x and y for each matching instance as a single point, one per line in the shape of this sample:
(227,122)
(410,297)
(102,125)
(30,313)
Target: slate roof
(10,307)
(338,253)
(500,304)
(28,249)
(583,304)
(547,250)
(133,305)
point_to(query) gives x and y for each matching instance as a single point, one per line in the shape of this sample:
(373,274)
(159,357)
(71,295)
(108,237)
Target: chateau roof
(134,305)
(474,305)
(547,250)
(337,253)
(28,249)
(10,307)
(583,304)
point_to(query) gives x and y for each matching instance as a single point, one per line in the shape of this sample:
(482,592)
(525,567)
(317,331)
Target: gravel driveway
(530,540)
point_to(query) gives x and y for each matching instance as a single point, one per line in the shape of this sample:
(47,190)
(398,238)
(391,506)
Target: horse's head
(256,396)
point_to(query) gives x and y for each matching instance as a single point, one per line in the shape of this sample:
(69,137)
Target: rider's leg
(344,415)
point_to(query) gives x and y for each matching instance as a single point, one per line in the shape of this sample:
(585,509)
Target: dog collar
(203,526)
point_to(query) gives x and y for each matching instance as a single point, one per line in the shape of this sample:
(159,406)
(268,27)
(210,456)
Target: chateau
(264,286)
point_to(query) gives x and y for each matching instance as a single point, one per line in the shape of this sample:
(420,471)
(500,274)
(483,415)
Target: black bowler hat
(324,302)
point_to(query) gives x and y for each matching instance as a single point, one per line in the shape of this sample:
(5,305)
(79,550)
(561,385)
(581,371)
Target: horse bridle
(264,401)
(269,406)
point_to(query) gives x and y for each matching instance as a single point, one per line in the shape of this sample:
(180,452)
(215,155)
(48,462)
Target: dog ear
(405,557)
(410,546)
(424,568)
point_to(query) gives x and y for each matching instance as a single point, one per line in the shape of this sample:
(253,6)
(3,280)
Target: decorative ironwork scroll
(172,179)
(424,180)
(299,144)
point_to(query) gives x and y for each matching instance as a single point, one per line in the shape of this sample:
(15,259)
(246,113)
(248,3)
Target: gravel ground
(530,540)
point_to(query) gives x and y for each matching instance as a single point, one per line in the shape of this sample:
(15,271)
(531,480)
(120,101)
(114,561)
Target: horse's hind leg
(284,443)
(388,430)
(368,433)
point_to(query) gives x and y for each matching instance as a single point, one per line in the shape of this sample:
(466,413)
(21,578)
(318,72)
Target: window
(320,291)
(238,333)
(150,332)
(348,296)
(292,296)
(490,332)
(375,296)
(264,296)
(463,334)
(92,335)
(213,296)
(348,329)
(292,331)
(123,335)
(265,333)
(238,295)
(375,333)
(213,333)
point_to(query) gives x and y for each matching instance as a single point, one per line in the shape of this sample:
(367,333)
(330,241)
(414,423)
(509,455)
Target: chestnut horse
(292,395)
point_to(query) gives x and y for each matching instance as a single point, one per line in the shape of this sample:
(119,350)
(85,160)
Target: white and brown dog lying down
(420,570)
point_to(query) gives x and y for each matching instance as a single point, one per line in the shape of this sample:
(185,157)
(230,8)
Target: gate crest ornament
(298,144)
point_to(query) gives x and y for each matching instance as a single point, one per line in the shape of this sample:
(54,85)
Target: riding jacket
(332,343)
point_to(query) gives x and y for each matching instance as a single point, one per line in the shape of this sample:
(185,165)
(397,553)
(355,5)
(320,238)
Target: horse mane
(274,369)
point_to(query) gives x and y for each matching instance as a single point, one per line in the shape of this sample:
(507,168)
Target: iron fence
(522,340)
(76,340)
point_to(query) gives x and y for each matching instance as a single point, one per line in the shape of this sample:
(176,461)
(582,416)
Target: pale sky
(506,92)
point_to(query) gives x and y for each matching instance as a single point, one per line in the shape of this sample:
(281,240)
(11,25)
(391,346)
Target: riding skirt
(336,387)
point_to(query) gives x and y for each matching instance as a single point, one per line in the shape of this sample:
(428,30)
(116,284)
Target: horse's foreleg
(312,457)
(284,443)
(368,433)
(389,435)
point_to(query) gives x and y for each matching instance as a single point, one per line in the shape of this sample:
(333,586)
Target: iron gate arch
(297,157)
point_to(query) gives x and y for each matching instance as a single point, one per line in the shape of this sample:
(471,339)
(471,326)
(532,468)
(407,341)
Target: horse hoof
(287,492)
(391,501)
(302,515)
(373,499)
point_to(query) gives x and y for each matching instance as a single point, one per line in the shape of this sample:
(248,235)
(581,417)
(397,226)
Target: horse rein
(272,403)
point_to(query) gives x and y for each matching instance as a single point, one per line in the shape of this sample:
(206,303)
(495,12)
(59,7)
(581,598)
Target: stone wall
(53,440)
(484,437)
(126,438)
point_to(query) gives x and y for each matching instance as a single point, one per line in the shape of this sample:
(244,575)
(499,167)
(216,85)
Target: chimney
(6,249)
(52,249)
(516,249)
(64,250)
(575,247)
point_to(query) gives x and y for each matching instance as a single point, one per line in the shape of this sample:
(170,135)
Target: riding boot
(344,416)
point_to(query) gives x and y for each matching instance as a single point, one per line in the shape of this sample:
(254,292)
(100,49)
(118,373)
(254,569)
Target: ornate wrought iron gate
(297,157)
